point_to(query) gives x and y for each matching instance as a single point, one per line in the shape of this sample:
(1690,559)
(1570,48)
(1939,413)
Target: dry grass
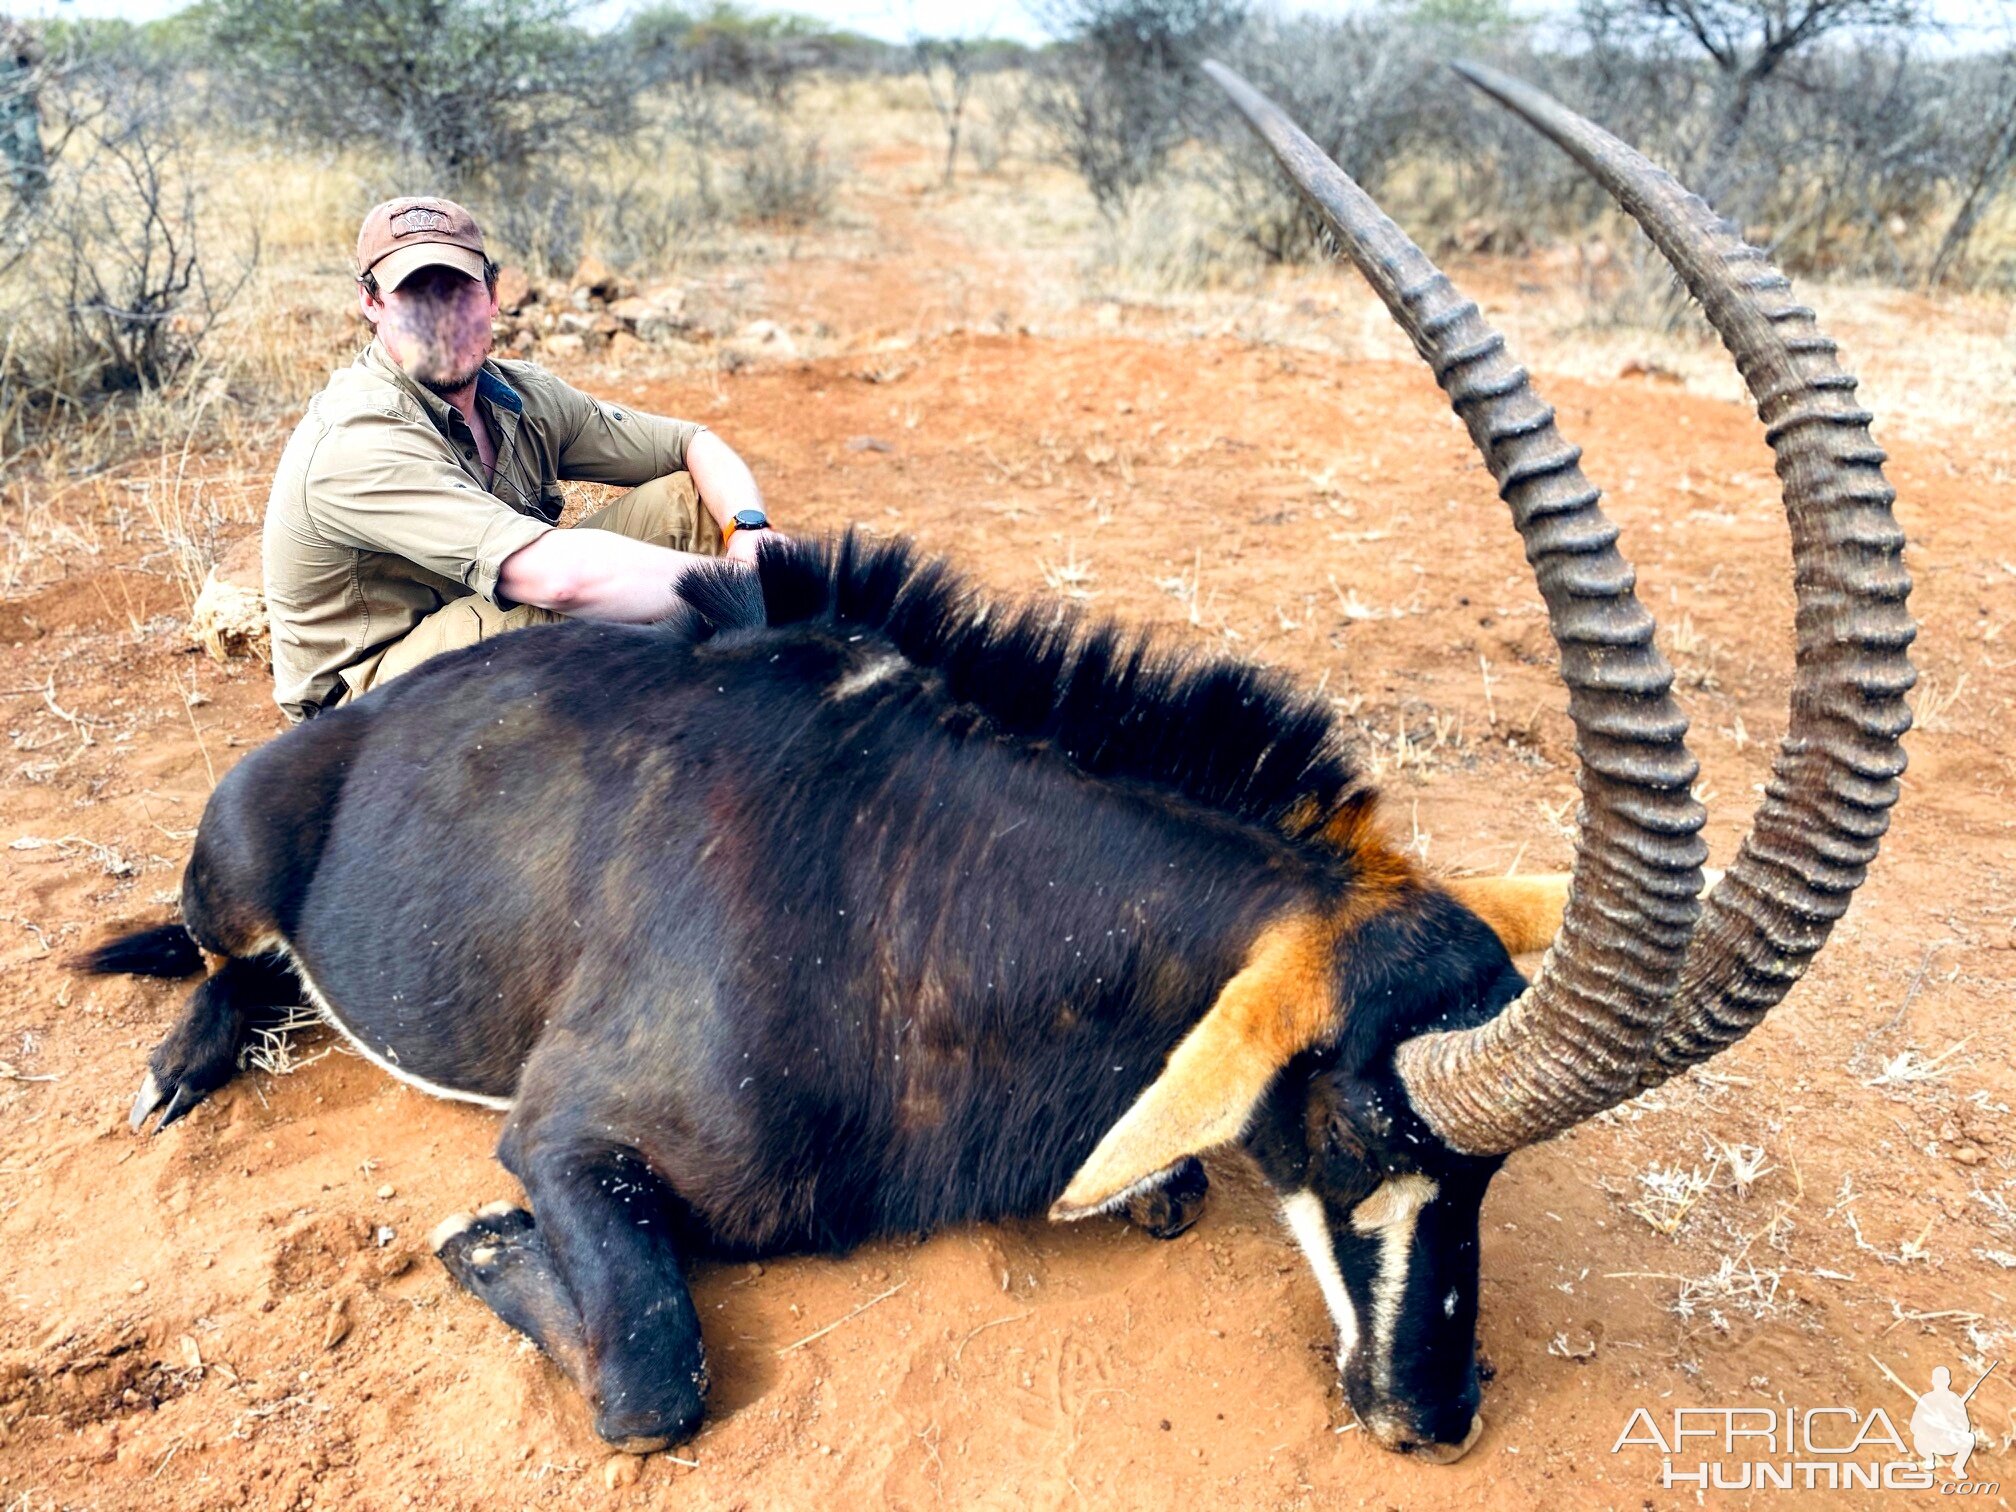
(1670,1193)
(274,1049)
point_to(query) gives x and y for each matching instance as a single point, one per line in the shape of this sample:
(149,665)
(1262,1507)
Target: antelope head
(1382,1142)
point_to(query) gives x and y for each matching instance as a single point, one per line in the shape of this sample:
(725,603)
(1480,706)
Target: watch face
(751,519)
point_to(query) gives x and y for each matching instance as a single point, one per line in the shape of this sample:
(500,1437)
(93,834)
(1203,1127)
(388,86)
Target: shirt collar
(490,386)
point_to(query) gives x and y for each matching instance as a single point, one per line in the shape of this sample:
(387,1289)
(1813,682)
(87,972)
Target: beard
(439,378)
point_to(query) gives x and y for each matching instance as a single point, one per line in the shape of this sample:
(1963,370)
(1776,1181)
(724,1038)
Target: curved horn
(1576,1041)
(1835,778)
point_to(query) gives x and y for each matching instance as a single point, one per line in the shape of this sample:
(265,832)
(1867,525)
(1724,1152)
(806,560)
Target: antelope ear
(1524,912)
(1279,1004)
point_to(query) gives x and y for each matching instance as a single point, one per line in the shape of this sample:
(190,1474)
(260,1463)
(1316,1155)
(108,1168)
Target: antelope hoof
(1168,1209)
(152,1095)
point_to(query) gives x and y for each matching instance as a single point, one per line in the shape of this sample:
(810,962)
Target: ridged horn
(1576,1041)
(1834,781)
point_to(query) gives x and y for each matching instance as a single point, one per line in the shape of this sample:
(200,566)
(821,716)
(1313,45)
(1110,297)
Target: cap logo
(416,219)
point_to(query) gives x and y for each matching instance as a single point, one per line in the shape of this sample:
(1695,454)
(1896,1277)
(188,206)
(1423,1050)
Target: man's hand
(744,544)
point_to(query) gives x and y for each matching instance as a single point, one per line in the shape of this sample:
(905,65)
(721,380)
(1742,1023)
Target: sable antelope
(842,904)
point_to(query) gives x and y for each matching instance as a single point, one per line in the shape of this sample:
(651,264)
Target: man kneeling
(415,505)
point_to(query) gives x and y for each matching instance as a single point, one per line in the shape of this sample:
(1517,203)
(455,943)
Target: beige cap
(402,236)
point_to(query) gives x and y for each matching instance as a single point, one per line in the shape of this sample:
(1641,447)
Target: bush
(1115,95)
(1358,85)
(1852,149)
(105,287)
(784,176)
(468,91)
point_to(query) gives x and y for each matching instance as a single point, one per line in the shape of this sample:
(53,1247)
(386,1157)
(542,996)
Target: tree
(22,155)
(1748,43)
(470,89)
(1116,93)
(947,67)
(1360,85)
(1991,172)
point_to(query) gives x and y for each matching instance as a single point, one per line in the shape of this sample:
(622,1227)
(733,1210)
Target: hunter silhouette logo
(1830,1448)
(1939,1424)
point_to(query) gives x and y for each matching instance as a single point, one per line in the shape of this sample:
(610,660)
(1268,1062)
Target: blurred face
(436,326)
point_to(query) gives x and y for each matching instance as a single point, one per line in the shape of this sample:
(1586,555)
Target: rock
(630,310)
(663,324)
(593,275)
(575,323)
(621,1470)
(229,616)
(514,290)
(663,315)
(1645,367)
(768,338)
(337,1329)
(623,346)
(600,281)
(565,345)
(868,444)
(606,324)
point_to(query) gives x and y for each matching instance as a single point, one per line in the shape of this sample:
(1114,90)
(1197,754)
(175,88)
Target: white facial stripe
(321,1004)
(1391,1212)
(1303,1213)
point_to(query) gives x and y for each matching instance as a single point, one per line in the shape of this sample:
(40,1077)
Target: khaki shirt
(381,512)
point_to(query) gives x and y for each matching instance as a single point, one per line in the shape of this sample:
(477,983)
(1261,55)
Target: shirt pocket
(548,503)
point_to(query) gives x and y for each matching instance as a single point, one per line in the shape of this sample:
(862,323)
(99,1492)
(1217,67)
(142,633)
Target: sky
(900,20)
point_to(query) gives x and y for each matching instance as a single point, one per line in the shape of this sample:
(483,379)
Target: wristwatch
(745,519)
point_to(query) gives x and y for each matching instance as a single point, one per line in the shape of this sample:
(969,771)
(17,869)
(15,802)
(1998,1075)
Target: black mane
(1226,735)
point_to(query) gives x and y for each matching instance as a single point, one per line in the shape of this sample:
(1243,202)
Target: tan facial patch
(1398,1200)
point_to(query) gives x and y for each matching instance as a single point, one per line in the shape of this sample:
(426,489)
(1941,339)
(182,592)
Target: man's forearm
(721,478)
(596,574)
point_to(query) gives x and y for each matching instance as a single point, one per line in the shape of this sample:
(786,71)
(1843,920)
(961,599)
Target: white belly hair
(385,1058)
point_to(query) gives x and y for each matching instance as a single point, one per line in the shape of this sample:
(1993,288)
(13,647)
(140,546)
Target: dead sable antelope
(839,905)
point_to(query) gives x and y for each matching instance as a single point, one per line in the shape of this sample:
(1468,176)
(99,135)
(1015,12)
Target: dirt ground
(243,1311)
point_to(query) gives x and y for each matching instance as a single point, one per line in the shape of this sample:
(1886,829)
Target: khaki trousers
(664,512)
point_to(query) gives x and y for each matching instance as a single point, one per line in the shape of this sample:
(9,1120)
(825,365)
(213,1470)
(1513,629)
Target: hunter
(416,505)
